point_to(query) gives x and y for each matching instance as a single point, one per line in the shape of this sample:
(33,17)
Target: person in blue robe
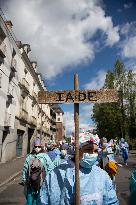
(96,187)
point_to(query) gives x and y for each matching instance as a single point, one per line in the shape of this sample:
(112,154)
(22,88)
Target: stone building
(60,129)
(21,117)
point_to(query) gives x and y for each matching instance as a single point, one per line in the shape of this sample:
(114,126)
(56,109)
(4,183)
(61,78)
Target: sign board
(78,96)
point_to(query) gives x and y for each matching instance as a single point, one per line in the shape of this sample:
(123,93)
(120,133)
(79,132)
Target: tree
(120,82)
(107,117)
(118,118)
(114,119)
(130,97)
(109,81)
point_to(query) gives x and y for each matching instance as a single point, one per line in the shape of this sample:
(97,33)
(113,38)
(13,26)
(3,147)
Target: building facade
(60,129)
(22,118)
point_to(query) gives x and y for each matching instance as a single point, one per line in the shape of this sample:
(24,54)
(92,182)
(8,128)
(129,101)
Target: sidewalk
(10,170)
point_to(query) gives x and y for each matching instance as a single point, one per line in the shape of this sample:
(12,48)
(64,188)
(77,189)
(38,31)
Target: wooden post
(76,120)
(41,124)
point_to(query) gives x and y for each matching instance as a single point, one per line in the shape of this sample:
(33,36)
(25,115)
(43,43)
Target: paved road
(122,179)
(12,193)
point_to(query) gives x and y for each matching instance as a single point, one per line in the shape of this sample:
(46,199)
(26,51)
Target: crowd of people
(49,171)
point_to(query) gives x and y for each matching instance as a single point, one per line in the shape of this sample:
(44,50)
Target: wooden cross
(77,96)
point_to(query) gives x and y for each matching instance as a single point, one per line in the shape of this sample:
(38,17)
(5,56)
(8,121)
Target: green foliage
(118,119)
(109,81)
(107,117)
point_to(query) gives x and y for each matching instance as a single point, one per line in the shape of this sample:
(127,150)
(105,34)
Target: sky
(81,36)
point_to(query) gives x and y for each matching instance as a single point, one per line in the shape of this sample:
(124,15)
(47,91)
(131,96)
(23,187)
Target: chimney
(8,24)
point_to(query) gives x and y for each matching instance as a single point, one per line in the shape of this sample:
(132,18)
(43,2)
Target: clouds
(129,48)
(84,119)
(128,6)
(128,44)
(130,65)
(97,82)
(69,122)
(60,32)
(86,110)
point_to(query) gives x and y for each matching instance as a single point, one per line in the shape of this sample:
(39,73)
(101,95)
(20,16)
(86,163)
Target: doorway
(30,134)
(19,143)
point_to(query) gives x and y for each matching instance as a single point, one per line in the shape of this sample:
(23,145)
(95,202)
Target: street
(122,180)
(12,193)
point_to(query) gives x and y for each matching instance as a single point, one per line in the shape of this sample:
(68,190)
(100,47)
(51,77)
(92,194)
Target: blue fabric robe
(95,187)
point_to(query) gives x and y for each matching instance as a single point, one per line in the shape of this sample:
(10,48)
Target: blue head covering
(37,142)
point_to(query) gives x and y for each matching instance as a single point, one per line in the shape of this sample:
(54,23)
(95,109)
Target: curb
(10,178)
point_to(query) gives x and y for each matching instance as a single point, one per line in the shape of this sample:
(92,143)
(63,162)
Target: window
(25,71)
(2,35)
(2,52)
(2,46)
(58,119)
(13,68)
(13,53)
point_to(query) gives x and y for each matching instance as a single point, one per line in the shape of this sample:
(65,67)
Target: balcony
(24,85)
(53,119)
(33,121)
(14,65)
(24,115)
(10,93)
(2,52)
(35,97)
(38,126)
(3,49)
(41,112)
(46,130)
(7,121)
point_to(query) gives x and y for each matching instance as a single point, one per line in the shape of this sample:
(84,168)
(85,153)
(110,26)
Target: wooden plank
(78,96)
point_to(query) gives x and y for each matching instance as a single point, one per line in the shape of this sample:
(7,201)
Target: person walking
(124,150)
(95,184)
(37,165)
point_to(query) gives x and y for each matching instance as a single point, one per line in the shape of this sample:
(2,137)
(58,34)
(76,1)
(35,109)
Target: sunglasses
(37,146)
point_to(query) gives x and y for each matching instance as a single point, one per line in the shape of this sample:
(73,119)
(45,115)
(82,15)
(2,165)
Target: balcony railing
(53,119)
(3,48)
(46,130)
(24,84)
(13,65)
(38,126)
(7,121)
(34,95)
(10,91)
(33,120)
(24,115)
